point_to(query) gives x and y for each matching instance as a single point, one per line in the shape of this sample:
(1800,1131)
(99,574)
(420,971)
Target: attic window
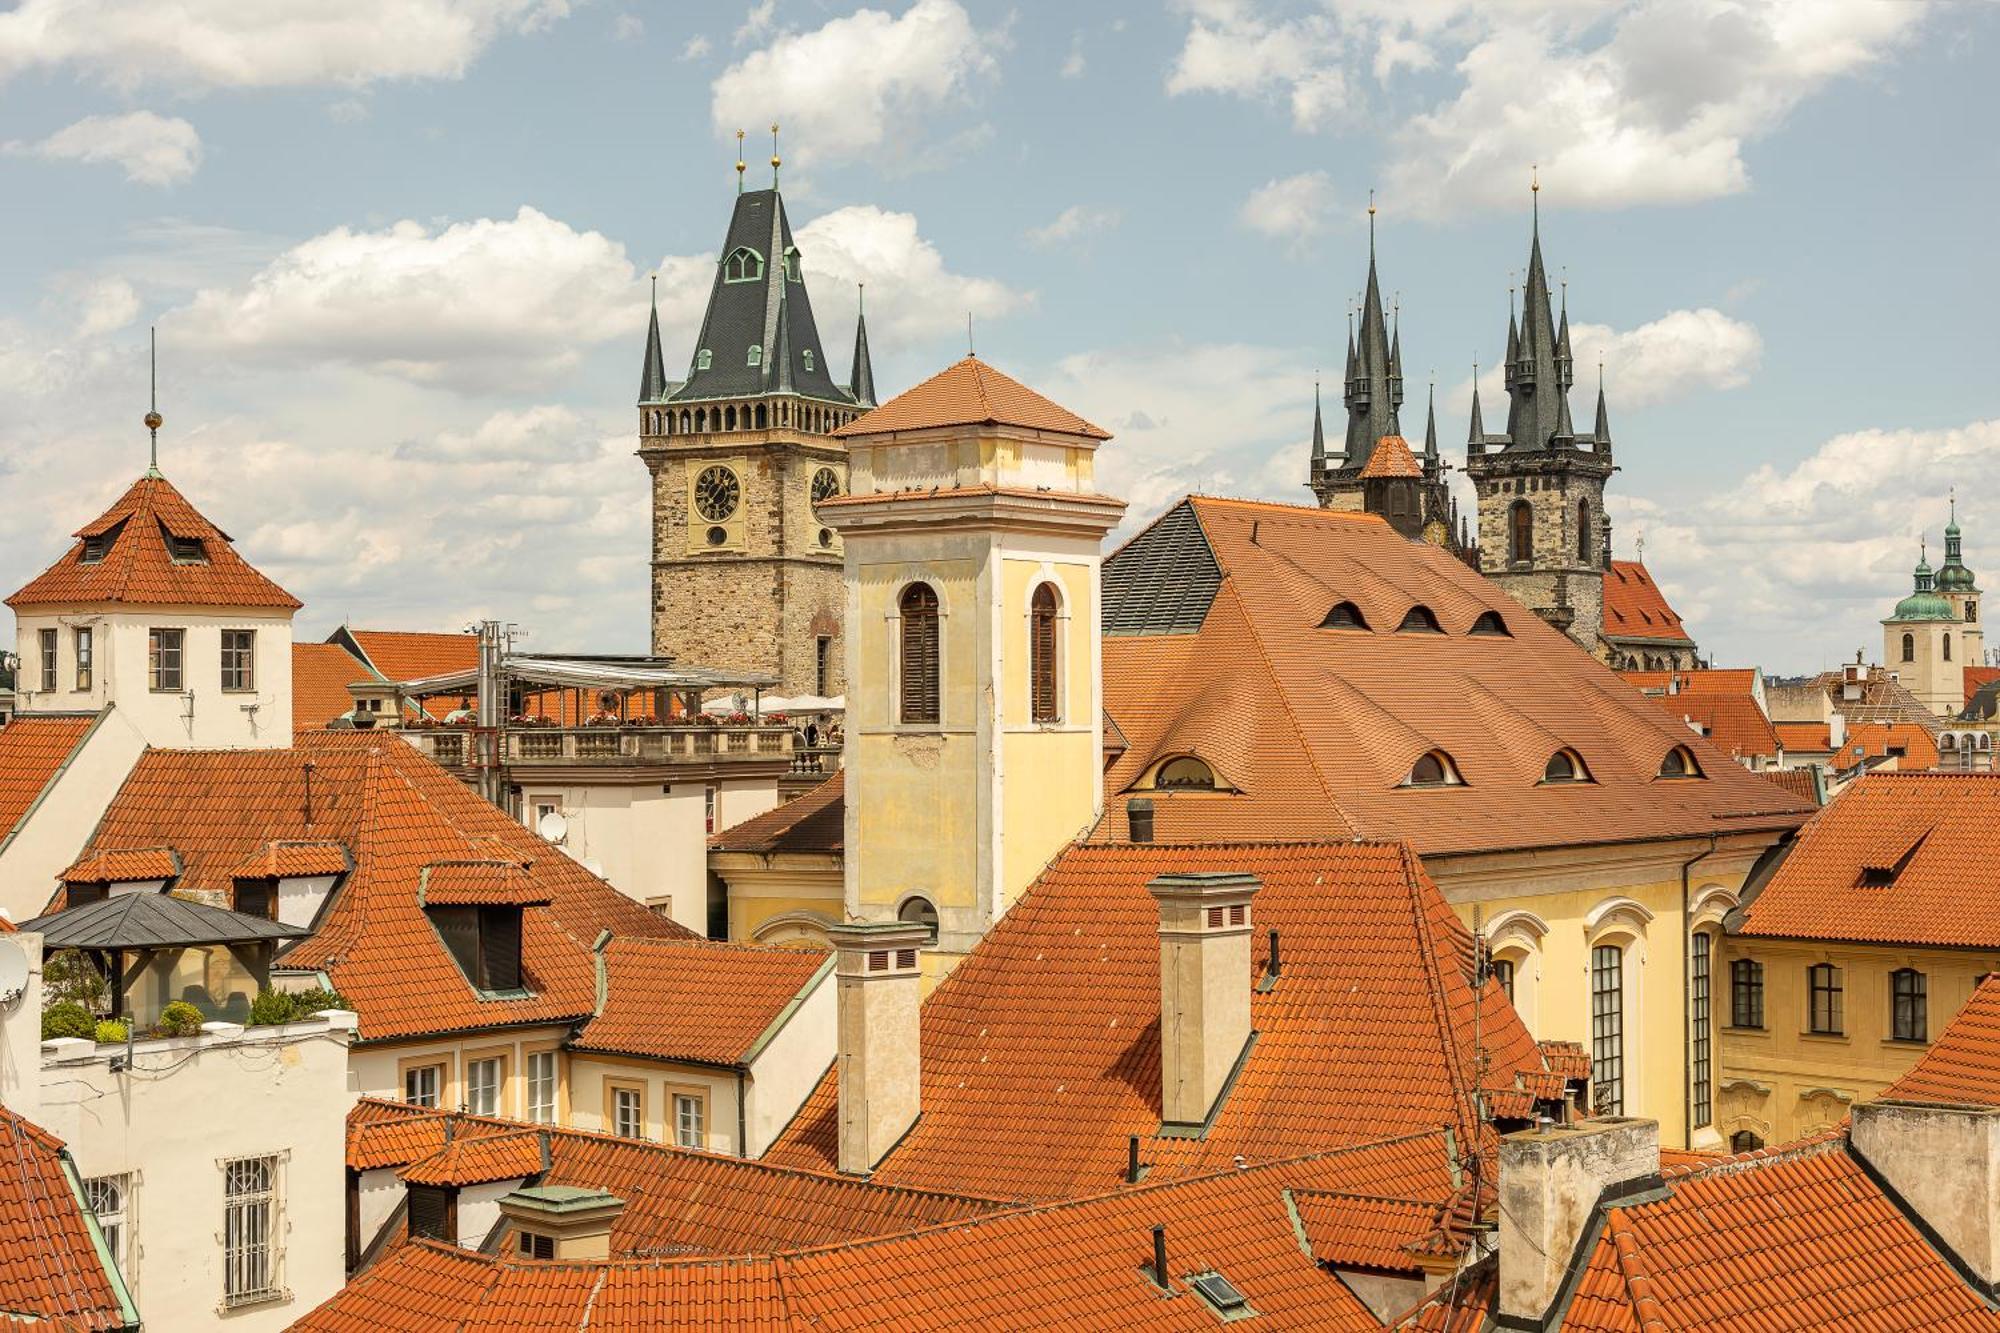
(701,359)
(1434,770)
(1345,615)
(1186,773)
(1882,876)
(485,942)
(96,547)
(1419,620)
(756,357)
(1221,1295)
(807,357)
(1680,763)
(743,265)
(186,550)
(1490,625)
(1565,766)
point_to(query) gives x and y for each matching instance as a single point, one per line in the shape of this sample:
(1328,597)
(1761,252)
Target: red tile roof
(50,1264)
(1899,858)
(1313,730)
(398,812)
(122,865)
(1733,723)
(321,673)
(139,570)
(697,1000)
(32,748)
(1805,737)
(1910,744)
(480,883)
(1701,680)
(415,655)
(1364,1230)
(813,821)
(1962,1066)
(1041,1050)
(1391,458)
(969,393)
(285,859)
(479,1159)
(1976,676)
(1803,783)
(1635,608)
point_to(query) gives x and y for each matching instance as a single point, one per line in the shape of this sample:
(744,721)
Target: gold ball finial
(154,421)
(1535,178)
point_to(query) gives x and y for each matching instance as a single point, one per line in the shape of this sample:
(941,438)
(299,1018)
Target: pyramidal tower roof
(1374,388)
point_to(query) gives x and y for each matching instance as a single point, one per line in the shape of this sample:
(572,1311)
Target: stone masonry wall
(1552,491)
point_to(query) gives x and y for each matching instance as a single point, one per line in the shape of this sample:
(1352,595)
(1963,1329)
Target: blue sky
(399,262)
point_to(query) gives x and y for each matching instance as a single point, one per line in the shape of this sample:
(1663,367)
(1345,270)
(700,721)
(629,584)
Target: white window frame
(83,638)
(542,1088)
(635,1128)
(46,641)
(436,1093)
(711,807)
(114,1222)
(158,639)
(253,1225)
(690,1130)
(482,1096)
(247,683)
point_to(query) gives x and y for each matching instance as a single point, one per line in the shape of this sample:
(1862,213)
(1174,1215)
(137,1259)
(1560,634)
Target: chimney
(1551,1181)
(1139,818)
(1836,731)
(1204,989)
(1945,1163)
(575,1222)
(880,994)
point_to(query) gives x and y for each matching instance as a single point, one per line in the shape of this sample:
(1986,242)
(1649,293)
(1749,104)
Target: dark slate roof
(1163,580)
(653,374)
(1375,380)
(768,313)
(1540,371)
(151,921)
(861,369)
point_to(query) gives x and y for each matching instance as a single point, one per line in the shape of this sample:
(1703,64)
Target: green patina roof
(563,1198)
(1923,606)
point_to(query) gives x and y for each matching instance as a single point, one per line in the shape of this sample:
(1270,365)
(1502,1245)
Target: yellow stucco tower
(973,536)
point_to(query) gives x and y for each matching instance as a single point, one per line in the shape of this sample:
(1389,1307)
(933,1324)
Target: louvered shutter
(430,1210)
(1042,654)
(920,654)
(500,947)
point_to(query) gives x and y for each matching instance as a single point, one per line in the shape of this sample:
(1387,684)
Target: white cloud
(842,87)
(1074,223)
(756,22)
(1074,64)
(347,111)
(151,149)
(549,433)
(697,47)
(1290,209)
(102,305)
(230,44)
(628,27)
(911,294)
(471,305)
(1681,352)
(1232,47)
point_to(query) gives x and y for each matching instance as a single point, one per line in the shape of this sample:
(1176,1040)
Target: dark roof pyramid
(1375,374)
(1540,369)
(653,374)
(861,370)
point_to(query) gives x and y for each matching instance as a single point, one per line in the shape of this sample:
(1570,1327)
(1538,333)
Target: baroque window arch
(1044,685)
(1521,532)
(918,686)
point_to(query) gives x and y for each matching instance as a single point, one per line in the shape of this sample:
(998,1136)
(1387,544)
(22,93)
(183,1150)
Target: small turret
(861,375)
(653,374)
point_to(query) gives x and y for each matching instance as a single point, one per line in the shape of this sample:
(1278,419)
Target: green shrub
(179,1019)
(67,1018)
(111,1030)
(306,1003)
(275,1006)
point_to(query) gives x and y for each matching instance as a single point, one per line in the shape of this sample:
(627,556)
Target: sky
(398,255)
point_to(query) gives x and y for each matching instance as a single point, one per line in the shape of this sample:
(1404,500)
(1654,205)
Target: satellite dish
(13,972)
(552,826)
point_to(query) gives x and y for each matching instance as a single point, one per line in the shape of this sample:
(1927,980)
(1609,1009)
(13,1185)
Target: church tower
(1919,644)
(1958,587)
(746,573)
(1543,532)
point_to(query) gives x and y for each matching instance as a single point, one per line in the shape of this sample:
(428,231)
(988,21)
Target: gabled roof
(479,1159)
(1041,1050)
(1391,458)
(1733,723)
(122,865)
(1635,608)
(1910,744)
(1804,737)
(811,822)
(697,1000)
(1962,1066)
(397,654)
(152,921)
(137,568)
(1803,783)
(1945,894)
(969,393)
(53,1263)
(292,858)
(321,673)
(397,812)
(33,749)
(1312,731)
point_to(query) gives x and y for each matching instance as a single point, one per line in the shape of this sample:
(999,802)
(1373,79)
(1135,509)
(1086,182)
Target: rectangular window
(430,1212)
(484,941)
(537,1247)
(1698,1001)
(708,808)
(251,1253)
(46,639)
(239,659)
(1503,972)
(482,1086)
(628,1113)
(1910,1020)
(1746,994)
(542,1087)
(823,666)
(109,1198)
(424,1085)
(1607,1029)
(1825,1016)
(688,1121)
(84,656)
(163,653)
(918,654)
(257,897)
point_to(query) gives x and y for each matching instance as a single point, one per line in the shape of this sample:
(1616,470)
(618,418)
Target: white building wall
(791,1064)
(52,836)
(377,1070)
(381,1193)
(300,897)
(592,1079)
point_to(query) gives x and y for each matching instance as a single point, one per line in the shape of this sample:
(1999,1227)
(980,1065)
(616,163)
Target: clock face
(715,493)
(826,485)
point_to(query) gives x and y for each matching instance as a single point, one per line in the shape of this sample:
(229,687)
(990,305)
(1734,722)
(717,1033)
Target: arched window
(686,421)
(703,359)
(919,607)
(1607,1029)
(1565,766)
(1583,530)
(1186,773)
(701,418)
(1042,653)
(918,911)
(1433,770)
(1909,647)
(1419,620)
(756,357)
(761,418)
(1490,625)
(1947,645)
(743,265)
(1744,1140)
(729,416)
(1345,615)
(1910,1014)
(1680,763)
(1521,527)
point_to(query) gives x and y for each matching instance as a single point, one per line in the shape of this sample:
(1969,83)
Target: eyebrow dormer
(1420,619)
(1344,615)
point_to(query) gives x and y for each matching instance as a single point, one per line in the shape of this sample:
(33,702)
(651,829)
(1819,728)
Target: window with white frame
(239,659)
(482,1086)
(251,1254)
(628,1113)
(83,657)
(110,1198)
(542,1087)
(688,1121)
(46,642)
(423,1085)
(164,650)
(708,795)
(1607,1029)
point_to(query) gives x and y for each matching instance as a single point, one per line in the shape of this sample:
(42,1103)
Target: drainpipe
(742,1119)
(1687,1002)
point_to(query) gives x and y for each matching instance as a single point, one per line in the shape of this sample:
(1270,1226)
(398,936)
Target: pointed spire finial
(970,350)
(1371,226)
(776,161)
(739,162)
(861,300)
(153,418)
(1535,193)
(656,291)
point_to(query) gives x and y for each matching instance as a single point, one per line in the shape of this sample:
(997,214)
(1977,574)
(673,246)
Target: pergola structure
(573,689)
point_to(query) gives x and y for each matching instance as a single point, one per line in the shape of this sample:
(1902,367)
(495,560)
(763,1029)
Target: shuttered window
(1042,653)
(485,942)
(430,1213)
(919,608)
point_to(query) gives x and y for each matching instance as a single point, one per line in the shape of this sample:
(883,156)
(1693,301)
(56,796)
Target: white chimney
(880,994)
(1945,1162)
(1551,1180)
(1204,989)
(1836,731)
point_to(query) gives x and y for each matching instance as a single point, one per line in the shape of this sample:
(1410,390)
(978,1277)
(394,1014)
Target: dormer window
(701,359)
(792,265)
(186,550)
(743,265)
(95,549)
(807,357)
(1419,620)
(1185,774)
(1565,766)
(1434,770)
(756,357)
(1680,763)
(485,942)
(1345,615)
(1490,625)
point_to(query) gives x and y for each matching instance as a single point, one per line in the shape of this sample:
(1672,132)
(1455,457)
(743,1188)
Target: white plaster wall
(121,674)
(21,1033)
(479,1210)
(55,830)
(186,1106)
(588,1076)
(300,896)
(374,1069)
(380,1193)
(787,1070)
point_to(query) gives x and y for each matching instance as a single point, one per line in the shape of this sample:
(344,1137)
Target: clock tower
(745,573)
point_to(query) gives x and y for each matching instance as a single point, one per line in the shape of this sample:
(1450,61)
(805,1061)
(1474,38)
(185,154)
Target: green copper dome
(1923,604)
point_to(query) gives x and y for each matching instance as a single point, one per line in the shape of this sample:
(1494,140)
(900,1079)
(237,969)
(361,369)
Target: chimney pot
(1160,1257)
(1205,980)
(878,974)
(1132,1160)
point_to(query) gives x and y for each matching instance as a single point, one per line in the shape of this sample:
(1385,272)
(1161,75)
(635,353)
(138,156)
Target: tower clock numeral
(716,492)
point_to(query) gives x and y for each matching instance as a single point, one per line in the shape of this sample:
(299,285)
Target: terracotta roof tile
(321,673)
(1977,676)
(1312,731)
(1700,680)
(696,999)
(477,883)
(139,570)
(1363,1230)
(1807,737)
(479,1159)
(813,821)
(1733,723)
(415,654)
(1041,1050)
(289,858)
(32,748)
(1391,458)
(122,865)
(1635,608)
(1909,744)
(49,1264)
(968,393)
(1803,783)
(1962,1066)
(1899,858)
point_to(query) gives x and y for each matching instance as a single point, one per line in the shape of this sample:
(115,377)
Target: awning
(152,921)
(591,674)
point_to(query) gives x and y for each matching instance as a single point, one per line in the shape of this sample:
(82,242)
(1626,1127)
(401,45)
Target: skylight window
(1221,1295)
